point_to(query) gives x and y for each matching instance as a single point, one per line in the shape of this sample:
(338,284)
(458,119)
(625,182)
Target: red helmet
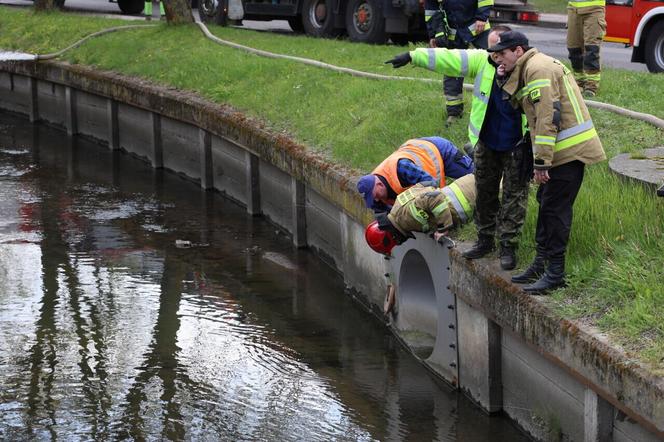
(380,241)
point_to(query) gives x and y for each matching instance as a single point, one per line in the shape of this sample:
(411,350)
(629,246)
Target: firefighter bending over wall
(416,161)
(422,208)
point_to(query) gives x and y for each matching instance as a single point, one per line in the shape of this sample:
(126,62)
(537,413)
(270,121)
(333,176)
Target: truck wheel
(131,6)
(295,24)
(655,48)
(213,11)
(365,22)
(318,18)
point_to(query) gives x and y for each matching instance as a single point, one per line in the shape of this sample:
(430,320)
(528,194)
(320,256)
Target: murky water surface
(133,305)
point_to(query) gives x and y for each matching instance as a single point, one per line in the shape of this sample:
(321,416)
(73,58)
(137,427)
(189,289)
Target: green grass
(550,6)
(615,259)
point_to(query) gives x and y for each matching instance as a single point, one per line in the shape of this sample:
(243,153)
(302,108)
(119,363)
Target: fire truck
(366,21)
(640,24)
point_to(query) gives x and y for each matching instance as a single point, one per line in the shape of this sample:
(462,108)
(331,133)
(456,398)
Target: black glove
(442,42)
(400,60)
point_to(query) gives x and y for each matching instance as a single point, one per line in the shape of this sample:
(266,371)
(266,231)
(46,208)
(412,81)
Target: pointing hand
(400,60)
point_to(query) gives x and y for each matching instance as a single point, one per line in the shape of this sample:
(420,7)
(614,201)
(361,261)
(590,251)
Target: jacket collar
(512,85)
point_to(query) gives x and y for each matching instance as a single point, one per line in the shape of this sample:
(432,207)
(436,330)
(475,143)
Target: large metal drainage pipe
(425,313)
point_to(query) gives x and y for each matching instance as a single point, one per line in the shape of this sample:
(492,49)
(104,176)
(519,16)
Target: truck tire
(213,11)
(131,7)
(365,22)
(318,18)
(295,24)
(655,48)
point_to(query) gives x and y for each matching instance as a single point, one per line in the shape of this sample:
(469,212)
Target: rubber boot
(483,246)
(507,257)
(534,271)
(554,277)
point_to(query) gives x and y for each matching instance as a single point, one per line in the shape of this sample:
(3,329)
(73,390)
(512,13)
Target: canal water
(135,306)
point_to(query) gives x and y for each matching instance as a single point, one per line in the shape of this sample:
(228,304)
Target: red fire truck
(639,23)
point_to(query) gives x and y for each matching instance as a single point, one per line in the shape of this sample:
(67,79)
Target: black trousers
(556,198)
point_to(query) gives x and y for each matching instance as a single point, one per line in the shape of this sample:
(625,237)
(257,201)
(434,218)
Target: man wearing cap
(564,140)
(417,160)
(495,130)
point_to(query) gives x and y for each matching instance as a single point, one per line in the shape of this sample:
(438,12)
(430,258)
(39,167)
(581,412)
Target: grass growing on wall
(615,259)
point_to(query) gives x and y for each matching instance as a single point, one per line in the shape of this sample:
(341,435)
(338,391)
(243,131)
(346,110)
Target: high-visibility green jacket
(560,125)
(426,208)
(462,63)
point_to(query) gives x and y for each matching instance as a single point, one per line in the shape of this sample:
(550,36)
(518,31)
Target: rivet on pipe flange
(451,307)
(453,364)
(451,326)
(452,345)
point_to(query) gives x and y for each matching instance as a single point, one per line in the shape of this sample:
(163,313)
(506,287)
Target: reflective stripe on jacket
(422,209)
(462,63)
(585,3)
(560,125)
(423,153)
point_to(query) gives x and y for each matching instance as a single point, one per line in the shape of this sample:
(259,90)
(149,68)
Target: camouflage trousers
(493,215)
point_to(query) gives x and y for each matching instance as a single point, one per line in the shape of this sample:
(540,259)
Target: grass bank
(550,6)
(615,255)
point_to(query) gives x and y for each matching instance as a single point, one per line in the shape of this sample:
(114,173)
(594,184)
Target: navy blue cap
(508,40)
(366,186)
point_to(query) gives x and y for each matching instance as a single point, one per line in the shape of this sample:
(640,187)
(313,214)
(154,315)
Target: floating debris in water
(184,244)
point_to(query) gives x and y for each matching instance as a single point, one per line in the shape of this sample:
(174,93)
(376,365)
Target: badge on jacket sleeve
(535,95)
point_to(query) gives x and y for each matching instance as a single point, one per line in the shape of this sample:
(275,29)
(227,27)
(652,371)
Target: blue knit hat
(366,186)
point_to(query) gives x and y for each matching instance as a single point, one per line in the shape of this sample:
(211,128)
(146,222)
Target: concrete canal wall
(504,349)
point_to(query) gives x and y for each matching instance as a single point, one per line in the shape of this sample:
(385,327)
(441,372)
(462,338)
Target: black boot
(534,271)
(554,277)
(484,245)
(507,257)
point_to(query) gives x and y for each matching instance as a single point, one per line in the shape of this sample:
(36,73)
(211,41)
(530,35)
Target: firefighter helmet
(381,241)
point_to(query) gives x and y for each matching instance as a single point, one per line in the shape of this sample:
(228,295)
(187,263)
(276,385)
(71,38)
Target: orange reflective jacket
(421,152)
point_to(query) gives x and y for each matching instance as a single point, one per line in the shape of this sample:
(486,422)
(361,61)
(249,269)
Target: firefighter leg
(575,45)
(453,88)
(556,200)
(594,29)
(488,172)
(147,9)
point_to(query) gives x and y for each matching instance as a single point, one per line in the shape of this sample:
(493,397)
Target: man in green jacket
(564,140)
(494,130)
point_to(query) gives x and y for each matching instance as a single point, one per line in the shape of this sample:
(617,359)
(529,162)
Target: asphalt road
(548,40)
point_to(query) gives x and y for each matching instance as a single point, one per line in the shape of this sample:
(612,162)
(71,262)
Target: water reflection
(111,329)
